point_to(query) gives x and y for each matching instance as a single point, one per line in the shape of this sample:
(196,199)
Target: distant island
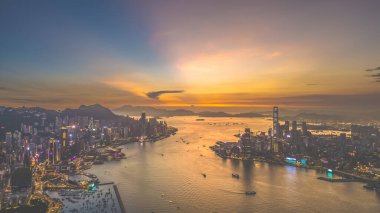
(137,110)
(288,114)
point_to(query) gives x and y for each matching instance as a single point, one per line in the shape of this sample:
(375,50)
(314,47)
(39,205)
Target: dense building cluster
(357,152)
(55,139)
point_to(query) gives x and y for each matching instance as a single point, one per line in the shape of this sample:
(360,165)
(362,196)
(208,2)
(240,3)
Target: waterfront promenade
(104,198)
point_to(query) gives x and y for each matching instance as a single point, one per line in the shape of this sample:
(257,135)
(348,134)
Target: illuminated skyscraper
(63,143)
(247,144)
(64,136)
(50,150)
(57,151)
(276,130)
(275,122)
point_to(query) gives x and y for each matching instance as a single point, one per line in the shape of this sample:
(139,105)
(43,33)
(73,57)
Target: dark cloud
(373,69)
(156,94)
(376,77)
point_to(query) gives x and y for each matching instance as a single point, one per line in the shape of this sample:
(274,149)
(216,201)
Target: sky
(180,53)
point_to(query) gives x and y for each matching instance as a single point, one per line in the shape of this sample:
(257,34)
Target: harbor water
(167,176)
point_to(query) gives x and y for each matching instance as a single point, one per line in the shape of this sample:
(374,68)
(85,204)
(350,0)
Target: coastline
(119,199)
(351,177)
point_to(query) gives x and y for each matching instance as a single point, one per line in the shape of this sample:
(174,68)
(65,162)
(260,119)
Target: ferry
(235,175)
(250,193)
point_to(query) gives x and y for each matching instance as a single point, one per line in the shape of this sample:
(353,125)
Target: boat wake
(232,192)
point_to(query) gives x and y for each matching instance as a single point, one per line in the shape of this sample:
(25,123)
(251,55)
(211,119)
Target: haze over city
(234,54)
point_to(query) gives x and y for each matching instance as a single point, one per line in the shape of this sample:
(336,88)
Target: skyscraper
(247,144)
(64,143)
(286,127)
(276,130)
(275,122)
(143,124)
(64,136)
(304,128)
(8,139)
(294,126)
(50,151)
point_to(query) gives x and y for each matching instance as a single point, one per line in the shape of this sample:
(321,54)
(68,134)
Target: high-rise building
(57,151)
(8,139)
(50,150)
(276,130)
(276,125)
(63,143)
(143,124)
(91,123)
(294,125)
(304,128)
(64,137)
(247,144)
(286,128)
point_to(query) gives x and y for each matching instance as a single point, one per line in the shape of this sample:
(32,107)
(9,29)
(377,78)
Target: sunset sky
(291,53)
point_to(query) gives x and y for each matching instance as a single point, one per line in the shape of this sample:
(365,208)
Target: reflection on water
(150,182)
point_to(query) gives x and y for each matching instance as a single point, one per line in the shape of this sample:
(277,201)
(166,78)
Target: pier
(106,183)
(119,199)
(337,180)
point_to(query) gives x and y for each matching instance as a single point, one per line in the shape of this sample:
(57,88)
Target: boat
(204,175)
(235,175)
(162,154)
(369,186)
(98,162)
(250,193)
(200,119)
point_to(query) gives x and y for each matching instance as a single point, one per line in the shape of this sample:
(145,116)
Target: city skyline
(189,106)
(179,53)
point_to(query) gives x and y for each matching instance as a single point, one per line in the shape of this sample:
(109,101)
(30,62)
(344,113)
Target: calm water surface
(150,182)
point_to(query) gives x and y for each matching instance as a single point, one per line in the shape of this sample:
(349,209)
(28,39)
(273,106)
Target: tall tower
(287,128)
(143,124)
(275,132)
(247,144)
(91,123)
(294,126)
(51,152)
(64,143)
(304,128)
(64,136)
(275,122)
